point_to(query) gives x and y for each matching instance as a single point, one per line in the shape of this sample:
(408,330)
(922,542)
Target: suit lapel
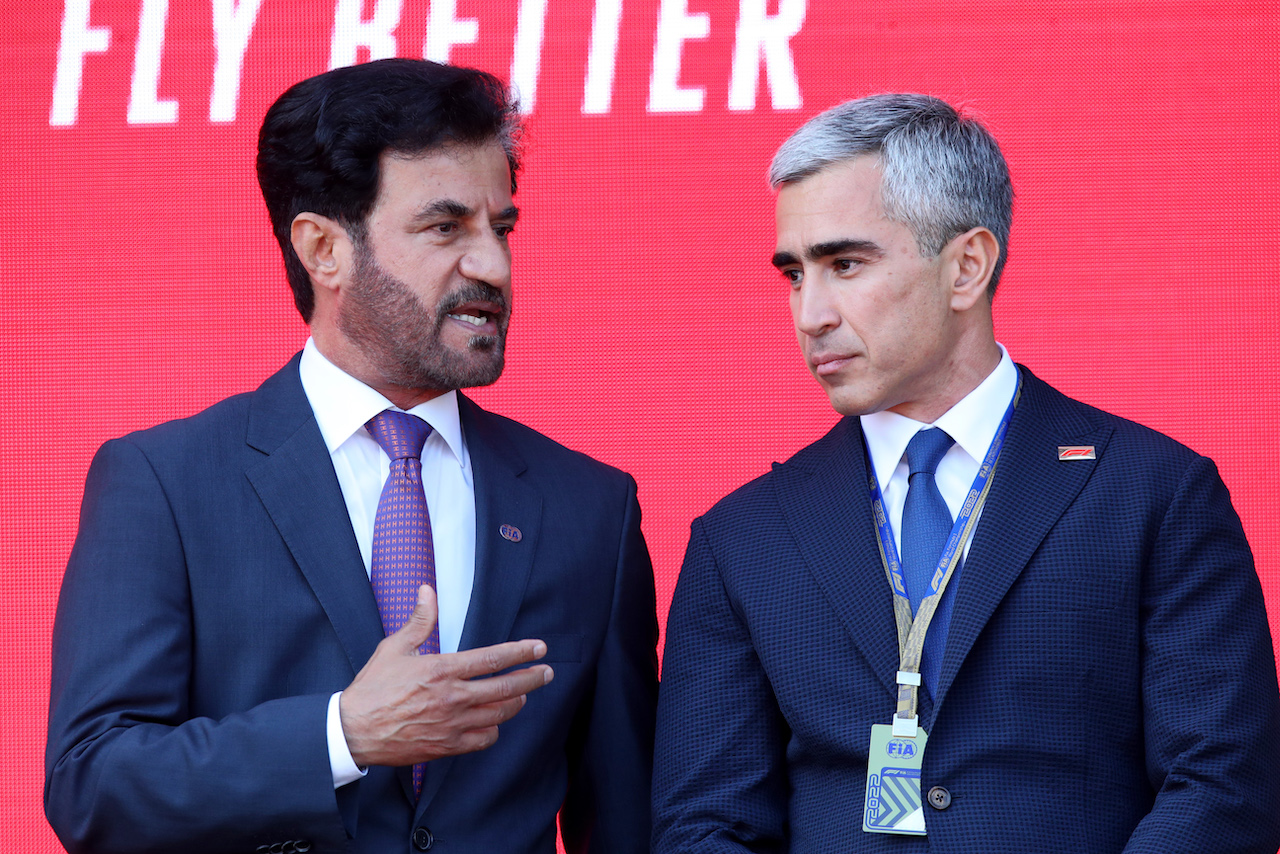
(1030,492)
(824,498)
(300,492)
(504,502)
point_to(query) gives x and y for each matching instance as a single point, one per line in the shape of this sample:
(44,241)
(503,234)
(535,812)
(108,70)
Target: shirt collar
(342,404)
(972,422)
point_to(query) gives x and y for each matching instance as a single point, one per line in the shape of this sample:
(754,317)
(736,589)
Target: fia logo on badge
(900,748)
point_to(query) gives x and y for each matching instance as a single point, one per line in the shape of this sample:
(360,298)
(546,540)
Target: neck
(963,374)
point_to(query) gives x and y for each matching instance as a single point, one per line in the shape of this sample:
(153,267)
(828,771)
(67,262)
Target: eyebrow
(831,247)
(444,207)
(457,210)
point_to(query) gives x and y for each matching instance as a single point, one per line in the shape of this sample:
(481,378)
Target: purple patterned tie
(403,559)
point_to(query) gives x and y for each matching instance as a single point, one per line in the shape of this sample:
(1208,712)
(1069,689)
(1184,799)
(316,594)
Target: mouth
(478,318)
(473,319)
(827,364)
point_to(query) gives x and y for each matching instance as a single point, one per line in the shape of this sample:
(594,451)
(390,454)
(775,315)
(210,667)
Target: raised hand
(404,708)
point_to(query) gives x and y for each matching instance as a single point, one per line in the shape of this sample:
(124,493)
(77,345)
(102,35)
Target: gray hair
(943,173)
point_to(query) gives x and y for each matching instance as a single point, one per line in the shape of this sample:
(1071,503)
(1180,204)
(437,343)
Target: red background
(140,281)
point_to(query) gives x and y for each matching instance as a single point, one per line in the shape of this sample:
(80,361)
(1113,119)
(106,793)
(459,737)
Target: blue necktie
(926,524)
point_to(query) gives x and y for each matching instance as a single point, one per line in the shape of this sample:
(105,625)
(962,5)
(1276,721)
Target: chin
(849,404)
(477,372)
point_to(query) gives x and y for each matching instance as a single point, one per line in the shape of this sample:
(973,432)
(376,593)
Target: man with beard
(299,620)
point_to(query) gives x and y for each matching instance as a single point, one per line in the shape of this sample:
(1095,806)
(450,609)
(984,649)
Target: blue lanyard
(911,631)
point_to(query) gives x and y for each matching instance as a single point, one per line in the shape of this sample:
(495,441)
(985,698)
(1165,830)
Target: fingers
(476,739)
(404,708)
(417,628)
(491,659)
(478,728)
(509,686)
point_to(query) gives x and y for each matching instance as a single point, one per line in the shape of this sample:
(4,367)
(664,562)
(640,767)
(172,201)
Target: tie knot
(926,449)
(400,434)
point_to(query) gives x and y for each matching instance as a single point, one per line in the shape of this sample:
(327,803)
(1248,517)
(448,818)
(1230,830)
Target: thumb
(421,622)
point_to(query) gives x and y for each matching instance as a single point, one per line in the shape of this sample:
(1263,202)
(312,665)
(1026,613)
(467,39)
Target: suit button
(939,798)
(422,839)
(302,846)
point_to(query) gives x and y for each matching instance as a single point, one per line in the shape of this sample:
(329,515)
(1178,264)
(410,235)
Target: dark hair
(321,141)
(943,172)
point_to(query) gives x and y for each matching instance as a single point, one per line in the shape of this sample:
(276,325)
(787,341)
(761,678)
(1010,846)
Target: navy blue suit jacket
(1108,682)
(216,597)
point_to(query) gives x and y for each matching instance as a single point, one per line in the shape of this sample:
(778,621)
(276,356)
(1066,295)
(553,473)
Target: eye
(793,276)
(845,265)
(503,230)
(445,227)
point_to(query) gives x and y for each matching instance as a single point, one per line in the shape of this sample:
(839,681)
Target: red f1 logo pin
(1076,452)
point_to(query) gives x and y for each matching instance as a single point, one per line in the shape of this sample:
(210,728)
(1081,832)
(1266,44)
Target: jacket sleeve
(128,768)
(606,809)
(720,765)
(1211,707)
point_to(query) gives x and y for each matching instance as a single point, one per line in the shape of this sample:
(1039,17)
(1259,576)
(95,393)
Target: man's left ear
(971,259)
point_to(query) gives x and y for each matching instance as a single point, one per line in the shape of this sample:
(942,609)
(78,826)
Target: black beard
(401,337)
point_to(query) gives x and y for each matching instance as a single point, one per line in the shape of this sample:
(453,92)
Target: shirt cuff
(344,768)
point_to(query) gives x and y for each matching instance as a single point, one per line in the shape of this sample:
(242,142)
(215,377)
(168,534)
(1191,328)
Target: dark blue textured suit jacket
(216,597)
(1108,682)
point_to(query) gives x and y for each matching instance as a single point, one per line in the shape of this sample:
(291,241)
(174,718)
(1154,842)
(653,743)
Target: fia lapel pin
(1076,452)
(510,532)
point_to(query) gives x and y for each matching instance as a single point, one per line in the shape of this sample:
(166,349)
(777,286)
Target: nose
(487,259)
(812,310)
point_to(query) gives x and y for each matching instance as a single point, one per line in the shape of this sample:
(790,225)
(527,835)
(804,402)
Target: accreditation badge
(893,802)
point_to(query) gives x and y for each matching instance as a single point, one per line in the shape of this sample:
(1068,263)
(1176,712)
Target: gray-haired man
(977,615)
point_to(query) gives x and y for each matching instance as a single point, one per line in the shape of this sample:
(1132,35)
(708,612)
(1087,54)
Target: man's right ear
(324,248)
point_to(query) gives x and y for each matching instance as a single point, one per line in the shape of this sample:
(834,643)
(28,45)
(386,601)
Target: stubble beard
(401,337)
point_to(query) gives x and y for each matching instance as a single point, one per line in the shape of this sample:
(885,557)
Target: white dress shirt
(342,404)
(972,422)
